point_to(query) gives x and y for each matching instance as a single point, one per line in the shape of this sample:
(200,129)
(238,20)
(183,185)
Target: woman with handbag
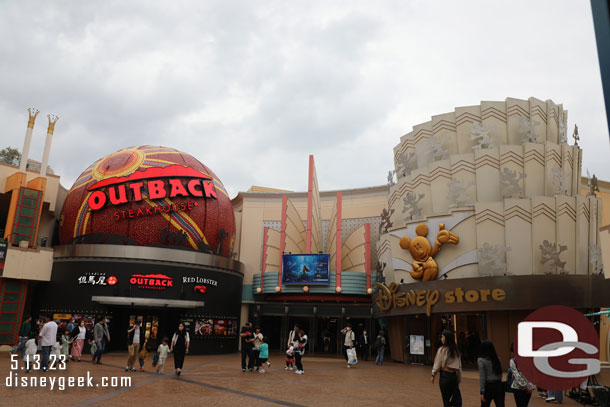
(517,383)
(448,364)
(78,335)
(180,347)
(299,350)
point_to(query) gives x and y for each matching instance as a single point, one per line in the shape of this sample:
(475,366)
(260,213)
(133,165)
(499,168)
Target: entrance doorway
(326,342)
(469,331)
(150,323)
(271,328)
(157,323)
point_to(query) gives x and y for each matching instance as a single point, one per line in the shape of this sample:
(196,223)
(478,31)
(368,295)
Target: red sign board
(152,183)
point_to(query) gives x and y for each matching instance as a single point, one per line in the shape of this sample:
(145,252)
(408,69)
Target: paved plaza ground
(217,380)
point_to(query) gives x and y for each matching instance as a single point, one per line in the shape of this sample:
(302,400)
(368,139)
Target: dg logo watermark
(557,348)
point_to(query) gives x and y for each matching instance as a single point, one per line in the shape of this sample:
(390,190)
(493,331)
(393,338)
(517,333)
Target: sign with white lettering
(94,279)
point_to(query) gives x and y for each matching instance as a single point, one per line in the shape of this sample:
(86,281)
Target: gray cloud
(251,89)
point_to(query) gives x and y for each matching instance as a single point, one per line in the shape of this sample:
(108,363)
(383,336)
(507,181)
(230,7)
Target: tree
(10,155)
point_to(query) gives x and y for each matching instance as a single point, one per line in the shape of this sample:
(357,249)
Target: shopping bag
(352,358)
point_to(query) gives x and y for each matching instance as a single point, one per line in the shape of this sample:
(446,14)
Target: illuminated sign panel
(151,281)
(150,184)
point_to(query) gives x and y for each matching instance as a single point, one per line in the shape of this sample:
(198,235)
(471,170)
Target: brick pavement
(217,380)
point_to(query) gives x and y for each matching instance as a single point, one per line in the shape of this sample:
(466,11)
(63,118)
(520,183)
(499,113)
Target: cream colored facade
(54,194)
(34,263)
(503,178)
(254,209)
(28,264)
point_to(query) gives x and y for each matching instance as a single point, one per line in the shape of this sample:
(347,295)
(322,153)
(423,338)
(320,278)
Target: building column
(313,334)
(284,332)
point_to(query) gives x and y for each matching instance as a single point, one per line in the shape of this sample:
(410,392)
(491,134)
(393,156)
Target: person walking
(92,349)
(521,388)
(380,347)
(299,350)
(258,338)
(31,348)
(47,338)
(150,345)
(263,355)
(326,339)
(364,343)
(247,346)
(348,343)
(24,335)
(180,347)
(101,337)
(490,375)
(162,351)
(78,335)
(66,341)
(70,325)
(448,364)
(135,337)
(555,396)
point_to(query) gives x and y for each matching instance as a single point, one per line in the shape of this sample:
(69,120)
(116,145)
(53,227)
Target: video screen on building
(305,269)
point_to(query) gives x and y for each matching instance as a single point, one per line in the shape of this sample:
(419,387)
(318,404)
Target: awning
(146,302)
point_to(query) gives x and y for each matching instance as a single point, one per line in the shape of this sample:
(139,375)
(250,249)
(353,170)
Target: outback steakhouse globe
(149,196)
(148,233)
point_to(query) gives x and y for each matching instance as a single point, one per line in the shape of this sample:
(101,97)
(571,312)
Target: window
(12,299)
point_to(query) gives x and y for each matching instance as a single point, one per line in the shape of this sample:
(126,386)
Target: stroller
(581,394)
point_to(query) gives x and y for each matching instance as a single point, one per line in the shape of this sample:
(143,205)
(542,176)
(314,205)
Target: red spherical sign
(112,280)
(556,348)
(149,196)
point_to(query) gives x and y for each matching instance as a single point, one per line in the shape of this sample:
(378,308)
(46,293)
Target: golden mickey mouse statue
(424,266)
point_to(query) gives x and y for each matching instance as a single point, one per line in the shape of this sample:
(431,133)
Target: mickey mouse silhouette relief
(424,266)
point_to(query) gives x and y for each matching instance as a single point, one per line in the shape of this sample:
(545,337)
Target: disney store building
(488,220)
(148,232)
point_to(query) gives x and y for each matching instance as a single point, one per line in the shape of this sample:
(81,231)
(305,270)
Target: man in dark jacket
(364,343)
(101,336)
(247,346)
(24,335)
(135,337)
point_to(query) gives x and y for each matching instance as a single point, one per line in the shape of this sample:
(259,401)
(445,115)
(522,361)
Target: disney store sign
(390,297)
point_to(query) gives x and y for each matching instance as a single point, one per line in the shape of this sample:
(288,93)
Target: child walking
(290,358)
(143,354)
(31,347)
(93,348)
(66,341)
(163,351)
(263,354)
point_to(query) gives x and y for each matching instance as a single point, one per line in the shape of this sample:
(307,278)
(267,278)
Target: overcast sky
(251,88)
